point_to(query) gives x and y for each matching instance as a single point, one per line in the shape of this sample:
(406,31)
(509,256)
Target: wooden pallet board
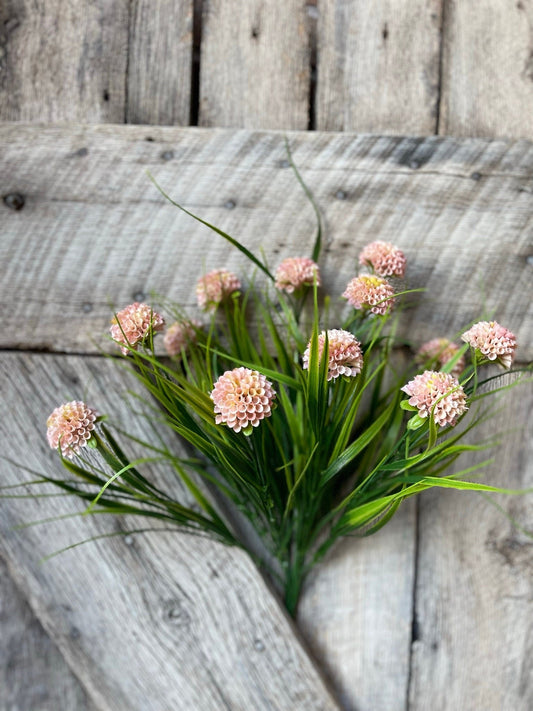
(94,233)
(416,67)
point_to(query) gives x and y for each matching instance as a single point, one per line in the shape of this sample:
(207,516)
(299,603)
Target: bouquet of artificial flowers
(298,416)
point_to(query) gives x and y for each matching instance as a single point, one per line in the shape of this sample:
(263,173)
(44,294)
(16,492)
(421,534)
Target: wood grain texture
(255,66)
(94,233)
(378,66)
(160,59)
(487,69)
(356,613)
(63,60)
(33,673)
(149,622)
(474,596)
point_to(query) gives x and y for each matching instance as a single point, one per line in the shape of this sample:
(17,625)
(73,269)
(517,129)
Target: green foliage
(336,457)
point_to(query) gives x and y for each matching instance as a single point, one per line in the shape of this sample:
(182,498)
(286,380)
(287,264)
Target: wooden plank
(153,621)
(63,61)
(33,674)
(487,69)
(474,595)
(94,232)
(378,66)
(160,61)
(255,64)
(356,614)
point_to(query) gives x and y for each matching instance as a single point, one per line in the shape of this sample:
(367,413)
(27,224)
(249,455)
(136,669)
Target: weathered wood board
(378,66)
(474,594)
(255,64)
(94,233)
(150,622)
(63,61)
(487,69)
(160,57)
(33,673)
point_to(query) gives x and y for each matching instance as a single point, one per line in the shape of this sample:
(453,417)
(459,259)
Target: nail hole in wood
(15,201)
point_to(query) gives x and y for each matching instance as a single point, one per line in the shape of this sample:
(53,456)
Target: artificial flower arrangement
(305,422)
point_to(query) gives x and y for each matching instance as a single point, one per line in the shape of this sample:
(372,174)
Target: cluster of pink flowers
(441,350)
(439,394)
(370,293)
(70,427)
(216,287)
(294,273)
(345,356)
(131,325)
(179,335)
(384,258)
(492,341)
(242,398)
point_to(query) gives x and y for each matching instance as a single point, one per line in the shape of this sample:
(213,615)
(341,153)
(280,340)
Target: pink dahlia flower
(179,335)
(441,350)
(493,341)
(215,287)
(437,392)
(384,258)
(133,323)
(242,398)
(296,272)
(370,292)
(70,427)
(344,351)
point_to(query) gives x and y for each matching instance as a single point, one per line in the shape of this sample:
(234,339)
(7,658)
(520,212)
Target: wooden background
(436,611)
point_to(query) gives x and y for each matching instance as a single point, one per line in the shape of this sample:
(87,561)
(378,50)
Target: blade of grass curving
(223,234)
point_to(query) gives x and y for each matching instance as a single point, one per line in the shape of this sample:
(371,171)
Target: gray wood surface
(33,673)
(255,64)
(356,615)
(63,60)
(160,62)
(487,69)
(153,621)
(378,66)
(474,594)
(95,234)
(389,67)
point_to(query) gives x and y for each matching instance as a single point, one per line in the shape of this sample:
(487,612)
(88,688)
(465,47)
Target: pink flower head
(133,323)
(70,427)
(242,398)
(370,292)
(179,334)
(493,341)
(296,272)
(439,392)
(441,350)
(384,258)
(214,288)
(344,351)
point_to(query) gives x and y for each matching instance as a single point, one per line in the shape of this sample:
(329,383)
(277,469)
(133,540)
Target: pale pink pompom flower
(242,398)
(179,335)
(441,350)
(493,341)
(296,272)
(216,287)
(345,356)
(70,427)
(384,258)
(439,393)
(131,325)
(370,292)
